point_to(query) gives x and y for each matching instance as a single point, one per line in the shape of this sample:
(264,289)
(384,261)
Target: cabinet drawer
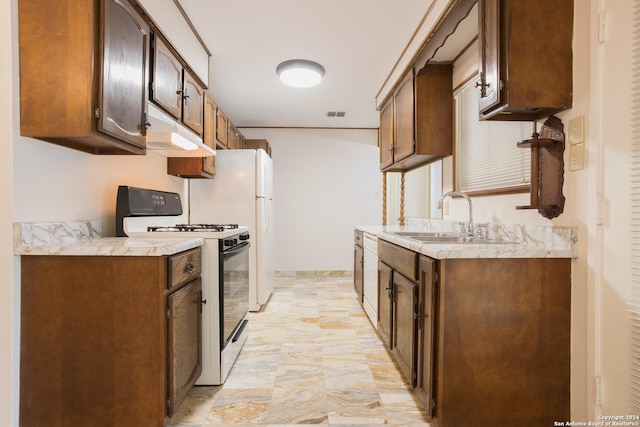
(184,267)
(400,259)
(357,237)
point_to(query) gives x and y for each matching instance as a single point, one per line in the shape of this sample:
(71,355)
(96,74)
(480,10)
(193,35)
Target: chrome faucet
(469,228)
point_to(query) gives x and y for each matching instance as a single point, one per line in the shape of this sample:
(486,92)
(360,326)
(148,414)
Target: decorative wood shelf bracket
(547,168)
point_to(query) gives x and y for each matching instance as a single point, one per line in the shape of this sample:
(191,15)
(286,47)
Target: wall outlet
(576,130)
(576,157)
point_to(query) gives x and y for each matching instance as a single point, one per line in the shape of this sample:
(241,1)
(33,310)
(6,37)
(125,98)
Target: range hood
(169,138)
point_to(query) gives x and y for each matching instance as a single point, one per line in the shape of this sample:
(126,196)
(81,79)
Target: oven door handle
(238,248)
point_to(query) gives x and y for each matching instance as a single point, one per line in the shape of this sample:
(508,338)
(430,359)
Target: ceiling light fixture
(300,73)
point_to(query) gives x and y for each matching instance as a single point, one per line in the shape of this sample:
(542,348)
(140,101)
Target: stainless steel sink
(424,234)
(447,238)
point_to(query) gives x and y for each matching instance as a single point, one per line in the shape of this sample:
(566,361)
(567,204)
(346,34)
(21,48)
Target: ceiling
(358,42)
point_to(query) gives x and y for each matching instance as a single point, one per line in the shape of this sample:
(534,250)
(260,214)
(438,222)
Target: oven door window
(234,276)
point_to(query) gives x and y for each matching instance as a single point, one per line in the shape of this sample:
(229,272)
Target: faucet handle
(481,230)
(462,227)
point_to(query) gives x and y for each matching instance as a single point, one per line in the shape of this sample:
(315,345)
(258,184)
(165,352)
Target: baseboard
(315,273)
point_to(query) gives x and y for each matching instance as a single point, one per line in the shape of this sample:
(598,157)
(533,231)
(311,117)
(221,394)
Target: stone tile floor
(312,357)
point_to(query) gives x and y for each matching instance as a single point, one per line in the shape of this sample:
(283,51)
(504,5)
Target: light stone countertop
(527,241)
(84,238)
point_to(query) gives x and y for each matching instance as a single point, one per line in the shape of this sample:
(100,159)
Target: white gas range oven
(225,271)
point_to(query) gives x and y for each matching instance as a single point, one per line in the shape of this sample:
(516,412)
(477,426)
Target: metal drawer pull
(189,268)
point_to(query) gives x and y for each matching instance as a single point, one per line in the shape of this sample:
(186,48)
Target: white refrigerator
(241,193)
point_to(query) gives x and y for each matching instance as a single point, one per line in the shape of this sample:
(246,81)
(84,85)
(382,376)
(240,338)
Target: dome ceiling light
(300,73)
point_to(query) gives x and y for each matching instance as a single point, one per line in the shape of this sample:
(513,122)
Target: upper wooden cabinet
(199,167)
(83,84)
(173,87)
(166,78)
(525,58)
(193,99)
(258,143)
(222,129)
(386,134)
(416,122)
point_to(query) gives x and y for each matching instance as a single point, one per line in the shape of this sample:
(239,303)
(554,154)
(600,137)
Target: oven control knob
(244,236)
(230,242)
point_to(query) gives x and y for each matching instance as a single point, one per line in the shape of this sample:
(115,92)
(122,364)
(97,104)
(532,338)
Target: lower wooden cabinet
(427,345)
(358,266)
(483,342)
(405,298)
(385,303)
(107,340)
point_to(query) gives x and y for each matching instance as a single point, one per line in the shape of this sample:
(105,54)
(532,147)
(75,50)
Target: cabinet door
(222,131)
(404,119)
(489,39)
(358,270)
(404,325)
(209,133)
(124,78)
(385,300)
(232,136)
(193,103)
(166,79)
(185,342)
(386,134)
(426,353)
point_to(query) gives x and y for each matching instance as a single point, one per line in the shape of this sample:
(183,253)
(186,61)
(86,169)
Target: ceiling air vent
(335,113)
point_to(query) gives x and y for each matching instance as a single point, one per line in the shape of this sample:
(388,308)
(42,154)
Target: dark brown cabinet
(397,305)
(193,98)
(426,347)
(416,122)
(174,88)
(486,340)
(84,85)
(386,135)
(503,341)
(525,58)
(405,298)
(185,345)
(385,303)
(166,79)
(199,167)
(108,340)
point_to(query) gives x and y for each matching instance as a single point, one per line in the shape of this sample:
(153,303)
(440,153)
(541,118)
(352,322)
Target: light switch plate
(576,130)
(576,157)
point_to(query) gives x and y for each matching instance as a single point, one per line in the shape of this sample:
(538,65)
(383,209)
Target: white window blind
(487,158)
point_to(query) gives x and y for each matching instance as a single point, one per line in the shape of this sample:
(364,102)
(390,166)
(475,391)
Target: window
(487,157)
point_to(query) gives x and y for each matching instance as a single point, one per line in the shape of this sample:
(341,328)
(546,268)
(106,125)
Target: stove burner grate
(192,227)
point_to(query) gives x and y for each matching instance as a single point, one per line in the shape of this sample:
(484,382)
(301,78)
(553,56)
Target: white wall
(325,182)
(56,183)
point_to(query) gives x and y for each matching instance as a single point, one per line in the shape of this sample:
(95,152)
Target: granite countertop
(84,238)
(525,241)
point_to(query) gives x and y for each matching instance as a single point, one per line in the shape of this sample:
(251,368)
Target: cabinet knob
(482,83)
(189,268)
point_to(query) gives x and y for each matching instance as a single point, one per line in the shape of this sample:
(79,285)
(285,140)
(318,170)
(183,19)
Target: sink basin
(456,240)
(447,238)
(425,234)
